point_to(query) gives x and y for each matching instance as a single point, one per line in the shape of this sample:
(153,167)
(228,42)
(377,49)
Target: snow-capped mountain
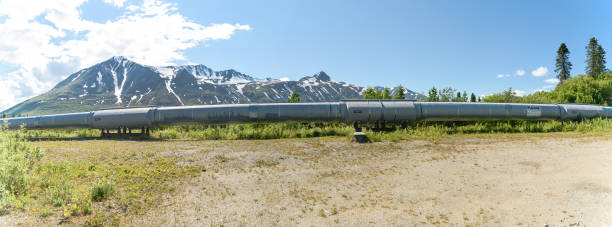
(119,82)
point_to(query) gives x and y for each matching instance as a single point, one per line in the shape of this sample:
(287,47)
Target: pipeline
(350,111)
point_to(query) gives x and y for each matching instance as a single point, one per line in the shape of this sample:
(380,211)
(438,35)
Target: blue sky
(468,45)
(464,44)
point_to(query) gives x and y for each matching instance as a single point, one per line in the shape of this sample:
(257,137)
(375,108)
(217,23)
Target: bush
(17,159)
(578,89)
(585,89)
(262,130)
(101,191)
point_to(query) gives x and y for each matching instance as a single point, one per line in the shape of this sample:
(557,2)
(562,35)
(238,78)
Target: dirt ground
(463,180)
(529,180)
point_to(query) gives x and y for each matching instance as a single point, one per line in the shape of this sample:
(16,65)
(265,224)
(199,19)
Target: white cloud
(503,75)
(284,79)
(520,72)
(540,71)
(552,80)
(152,33)
(117,3)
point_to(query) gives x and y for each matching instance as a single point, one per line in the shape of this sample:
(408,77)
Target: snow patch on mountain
(125,75)
(116,83)
(100,79)
(240,87)
(168,73)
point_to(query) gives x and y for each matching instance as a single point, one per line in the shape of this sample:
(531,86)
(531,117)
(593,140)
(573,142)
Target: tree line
(447,94)
(385,93)
(593,87)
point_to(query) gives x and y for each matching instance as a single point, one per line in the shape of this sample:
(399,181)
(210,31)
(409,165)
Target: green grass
(423,130)
(101,191)
(108,181)
(275,130)
(254,131)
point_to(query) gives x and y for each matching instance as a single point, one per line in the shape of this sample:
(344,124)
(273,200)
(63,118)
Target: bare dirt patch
(460,180)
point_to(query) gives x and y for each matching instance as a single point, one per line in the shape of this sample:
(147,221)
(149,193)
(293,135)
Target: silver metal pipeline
(350,111)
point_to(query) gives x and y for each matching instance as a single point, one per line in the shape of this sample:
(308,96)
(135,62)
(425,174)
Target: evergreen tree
(479,99)
(386,94)
(400,93)
(295,97)
(369,94)
(433,95)
(563,66)
(596,60)
(378,93)
(601,55)
(472,98)
(464,96)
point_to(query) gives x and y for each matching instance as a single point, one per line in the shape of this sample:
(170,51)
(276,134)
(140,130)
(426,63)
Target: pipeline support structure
(356,112)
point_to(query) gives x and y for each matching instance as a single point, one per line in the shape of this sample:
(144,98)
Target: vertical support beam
(148,133)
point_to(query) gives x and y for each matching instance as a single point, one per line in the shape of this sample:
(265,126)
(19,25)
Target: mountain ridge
(120,82)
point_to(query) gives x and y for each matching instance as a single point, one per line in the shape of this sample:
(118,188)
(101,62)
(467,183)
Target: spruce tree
(464,96)
(472,98)
(295,97)
(369,94)
(563,66)
(378,93)
(400,93)
(601,57)
(433,95)
(596,60)
(386,94)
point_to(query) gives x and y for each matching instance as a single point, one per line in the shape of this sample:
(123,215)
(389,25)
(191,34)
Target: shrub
(45,212)
(578,89)
(101,191)
(18,160)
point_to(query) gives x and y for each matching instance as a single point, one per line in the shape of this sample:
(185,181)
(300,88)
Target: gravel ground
(529,180)
(457,181)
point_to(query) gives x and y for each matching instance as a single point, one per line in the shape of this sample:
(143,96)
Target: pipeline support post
(360,137)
